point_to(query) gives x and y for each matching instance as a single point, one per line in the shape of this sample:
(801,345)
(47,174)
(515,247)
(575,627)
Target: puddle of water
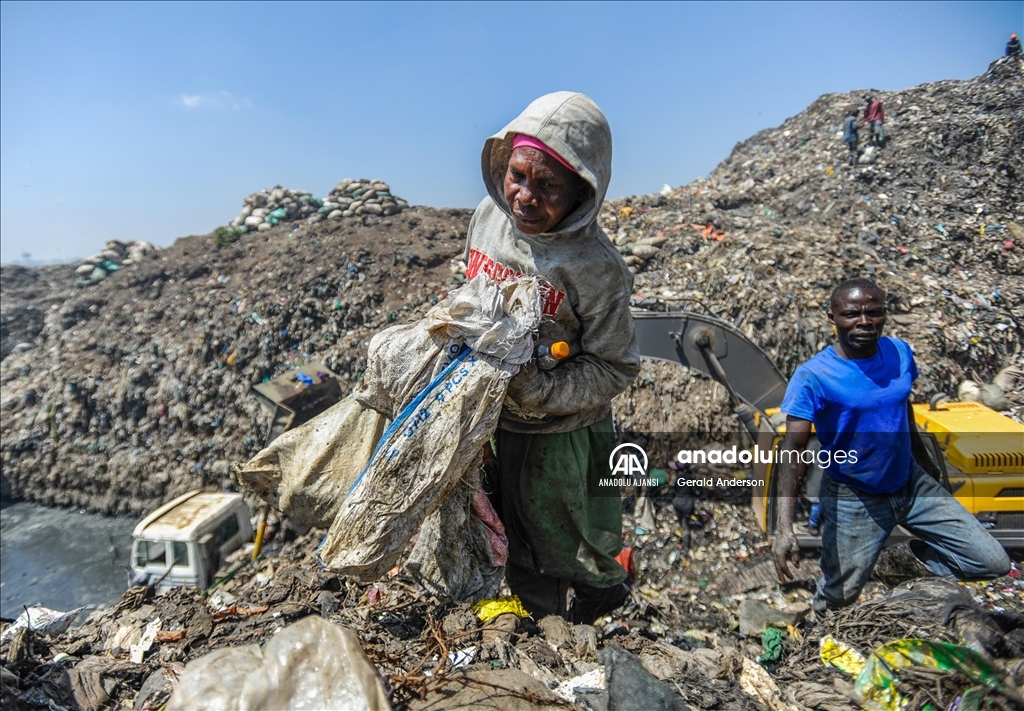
(59,558)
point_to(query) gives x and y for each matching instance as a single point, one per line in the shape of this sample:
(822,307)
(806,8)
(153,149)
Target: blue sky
(153,121)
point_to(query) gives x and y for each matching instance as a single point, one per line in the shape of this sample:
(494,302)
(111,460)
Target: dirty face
(539,190)
(859,317)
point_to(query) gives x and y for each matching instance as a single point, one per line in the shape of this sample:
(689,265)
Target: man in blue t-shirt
(856,393)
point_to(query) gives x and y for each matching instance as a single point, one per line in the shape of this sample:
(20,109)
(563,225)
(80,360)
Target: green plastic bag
(771,645)
(280,213)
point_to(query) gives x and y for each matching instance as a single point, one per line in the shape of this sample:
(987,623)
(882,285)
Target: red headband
(522,139)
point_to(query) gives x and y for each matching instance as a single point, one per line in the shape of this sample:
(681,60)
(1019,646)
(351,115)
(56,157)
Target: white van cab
(191,536)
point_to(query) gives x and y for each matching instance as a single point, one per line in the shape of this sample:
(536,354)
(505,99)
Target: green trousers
(559,532)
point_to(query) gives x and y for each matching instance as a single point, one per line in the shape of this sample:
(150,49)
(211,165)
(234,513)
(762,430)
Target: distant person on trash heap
(874,117)
(1013,47)
(850,134)
(856,394)
(546,175)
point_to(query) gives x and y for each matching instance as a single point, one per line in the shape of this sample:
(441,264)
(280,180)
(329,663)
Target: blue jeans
(855,527)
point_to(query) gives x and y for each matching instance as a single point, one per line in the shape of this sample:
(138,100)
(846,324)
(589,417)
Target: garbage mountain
(123,394)
(119,395)
(935,215)
(153,363)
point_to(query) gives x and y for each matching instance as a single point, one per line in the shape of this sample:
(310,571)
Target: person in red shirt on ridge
(874,117)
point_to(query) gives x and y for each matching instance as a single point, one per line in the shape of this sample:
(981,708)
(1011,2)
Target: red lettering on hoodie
(551,298)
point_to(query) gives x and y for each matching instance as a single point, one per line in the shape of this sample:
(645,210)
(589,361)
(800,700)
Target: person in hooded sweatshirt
(546,175)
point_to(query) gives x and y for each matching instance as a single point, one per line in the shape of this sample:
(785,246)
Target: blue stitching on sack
(399,422)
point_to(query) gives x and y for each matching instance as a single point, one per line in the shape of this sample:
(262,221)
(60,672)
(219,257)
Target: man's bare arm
(791,475)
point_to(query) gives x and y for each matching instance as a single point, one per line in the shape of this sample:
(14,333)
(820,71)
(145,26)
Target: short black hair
(850,285)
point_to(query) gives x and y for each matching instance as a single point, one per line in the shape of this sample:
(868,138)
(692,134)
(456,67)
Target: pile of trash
(935,215)
(122,396)
(705,627)
(361,197)
(926,641)
(143,388)
(114,255)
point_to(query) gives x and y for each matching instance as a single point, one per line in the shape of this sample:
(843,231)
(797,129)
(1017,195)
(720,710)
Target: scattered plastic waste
(841,656)
(42,619)
(879,682)
(771,645)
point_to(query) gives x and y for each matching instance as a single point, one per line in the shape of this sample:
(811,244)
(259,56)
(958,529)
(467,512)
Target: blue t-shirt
(859,411)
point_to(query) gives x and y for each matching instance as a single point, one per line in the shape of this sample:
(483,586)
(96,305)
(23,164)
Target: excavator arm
(718,349)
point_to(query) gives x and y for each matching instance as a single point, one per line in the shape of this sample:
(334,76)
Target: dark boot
(541,595)
(592,602)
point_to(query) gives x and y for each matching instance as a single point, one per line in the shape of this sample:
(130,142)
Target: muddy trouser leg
(559,533)
(854,528)
(957,544)
(853,152)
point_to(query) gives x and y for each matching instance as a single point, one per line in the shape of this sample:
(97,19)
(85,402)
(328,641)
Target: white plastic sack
(307,472)
(437,436)
(312,664)
(497,320)
(402,360)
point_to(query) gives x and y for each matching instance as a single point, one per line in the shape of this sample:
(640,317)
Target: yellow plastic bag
(490,608)
(841,656)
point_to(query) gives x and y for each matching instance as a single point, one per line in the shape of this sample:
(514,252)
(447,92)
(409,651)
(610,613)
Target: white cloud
(216,100)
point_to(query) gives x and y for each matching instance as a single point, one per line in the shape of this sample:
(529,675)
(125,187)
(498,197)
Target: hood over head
(573,126)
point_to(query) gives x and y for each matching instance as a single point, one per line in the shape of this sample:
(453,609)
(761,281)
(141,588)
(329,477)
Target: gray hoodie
(584,282)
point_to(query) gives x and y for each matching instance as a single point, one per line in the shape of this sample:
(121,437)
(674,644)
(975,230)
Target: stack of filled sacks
(114,255)
(264,209)
(361,197)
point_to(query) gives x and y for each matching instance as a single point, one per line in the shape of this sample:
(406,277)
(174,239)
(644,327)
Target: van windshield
(151,553)
(155,553)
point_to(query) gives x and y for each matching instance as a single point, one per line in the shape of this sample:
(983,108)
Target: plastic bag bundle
(437,436)
(312,664)
(494,320)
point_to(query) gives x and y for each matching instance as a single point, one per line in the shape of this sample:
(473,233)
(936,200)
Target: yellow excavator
(978,452)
